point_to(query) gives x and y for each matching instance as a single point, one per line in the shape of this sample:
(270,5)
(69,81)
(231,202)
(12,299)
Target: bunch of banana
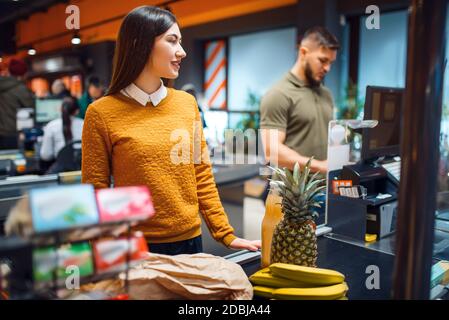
(292,282)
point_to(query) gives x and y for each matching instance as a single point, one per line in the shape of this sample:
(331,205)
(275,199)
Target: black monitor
(384,105)
(47,110)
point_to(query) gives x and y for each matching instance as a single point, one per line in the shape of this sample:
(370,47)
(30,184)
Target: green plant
(252,118)
(249,121)
(350,106)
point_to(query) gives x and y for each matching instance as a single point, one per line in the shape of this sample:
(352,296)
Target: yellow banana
(315,276)
(332,292)
(265,278)
(265,292)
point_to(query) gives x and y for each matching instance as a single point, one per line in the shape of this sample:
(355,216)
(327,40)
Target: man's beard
(309,76)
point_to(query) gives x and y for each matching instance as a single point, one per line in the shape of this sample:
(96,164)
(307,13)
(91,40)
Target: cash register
(381,144)
(47,109)
(378,172)
(23,157)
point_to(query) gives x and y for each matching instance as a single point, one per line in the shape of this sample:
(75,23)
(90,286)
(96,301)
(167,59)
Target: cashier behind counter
(50,143)
(62,136)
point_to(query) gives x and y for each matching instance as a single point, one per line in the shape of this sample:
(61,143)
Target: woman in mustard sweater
(133,134)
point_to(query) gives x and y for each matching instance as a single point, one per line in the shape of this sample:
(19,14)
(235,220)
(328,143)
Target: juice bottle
(273,214)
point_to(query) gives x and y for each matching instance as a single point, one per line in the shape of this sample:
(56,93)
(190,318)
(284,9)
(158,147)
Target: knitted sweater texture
(162,148)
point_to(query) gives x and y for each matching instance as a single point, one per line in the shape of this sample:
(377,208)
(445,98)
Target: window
(383,52)
(256,62)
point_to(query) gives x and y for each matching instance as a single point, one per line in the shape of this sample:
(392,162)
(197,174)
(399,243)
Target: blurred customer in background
(94,90)
(14,95)
(59,90)
(60,132)
(4,69)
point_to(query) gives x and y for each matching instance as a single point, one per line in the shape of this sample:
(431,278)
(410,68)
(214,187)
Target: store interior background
(260,40)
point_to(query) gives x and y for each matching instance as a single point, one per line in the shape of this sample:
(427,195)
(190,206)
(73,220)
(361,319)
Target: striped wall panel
(215,78)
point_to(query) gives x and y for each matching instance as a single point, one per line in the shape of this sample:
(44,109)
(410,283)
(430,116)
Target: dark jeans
(190,246)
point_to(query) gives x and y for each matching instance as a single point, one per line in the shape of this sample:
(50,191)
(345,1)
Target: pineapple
(294,238)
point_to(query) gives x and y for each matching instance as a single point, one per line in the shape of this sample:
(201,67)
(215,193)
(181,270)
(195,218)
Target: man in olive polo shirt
(299,107)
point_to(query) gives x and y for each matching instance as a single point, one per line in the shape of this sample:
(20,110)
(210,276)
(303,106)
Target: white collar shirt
(134,92)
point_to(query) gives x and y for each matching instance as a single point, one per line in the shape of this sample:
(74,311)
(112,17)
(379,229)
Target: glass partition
(441,236)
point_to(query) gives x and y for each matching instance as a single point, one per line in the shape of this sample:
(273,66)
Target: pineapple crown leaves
(299,190)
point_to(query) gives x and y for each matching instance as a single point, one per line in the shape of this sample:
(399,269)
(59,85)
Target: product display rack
(59,238)
(37,264)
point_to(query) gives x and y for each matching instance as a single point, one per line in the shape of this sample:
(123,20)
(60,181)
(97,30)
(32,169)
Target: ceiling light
(31,51)
(76,39)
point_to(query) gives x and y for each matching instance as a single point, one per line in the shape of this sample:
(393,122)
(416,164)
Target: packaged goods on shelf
(63,207)
(112,255)
(131,203)
(48,260)
(440,274)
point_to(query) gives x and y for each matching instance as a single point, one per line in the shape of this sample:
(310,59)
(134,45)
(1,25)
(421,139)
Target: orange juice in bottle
(273,215)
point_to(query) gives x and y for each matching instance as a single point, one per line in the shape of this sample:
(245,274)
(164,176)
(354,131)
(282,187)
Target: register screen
(47,110)
(386,109)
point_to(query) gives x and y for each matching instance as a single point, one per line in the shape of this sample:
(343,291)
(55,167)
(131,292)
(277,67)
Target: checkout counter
(362,198)
(24,159)
(372,210)
(229,179)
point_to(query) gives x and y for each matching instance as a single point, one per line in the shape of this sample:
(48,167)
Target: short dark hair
(94,81)
(322,37)
(69,106)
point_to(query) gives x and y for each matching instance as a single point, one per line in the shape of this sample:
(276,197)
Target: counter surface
(226,174)
(352,261)
(357,264)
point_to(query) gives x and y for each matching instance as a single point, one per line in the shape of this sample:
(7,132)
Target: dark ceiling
(11,11)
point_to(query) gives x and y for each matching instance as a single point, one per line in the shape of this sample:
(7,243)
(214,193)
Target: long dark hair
(135,41)
(69,107)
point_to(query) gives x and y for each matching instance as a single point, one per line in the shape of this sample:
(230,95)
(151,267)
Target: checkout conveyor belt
(349,259)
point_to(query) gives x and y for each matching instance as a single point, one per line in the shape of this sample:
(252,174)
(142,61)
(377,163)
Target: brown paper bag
(199,276)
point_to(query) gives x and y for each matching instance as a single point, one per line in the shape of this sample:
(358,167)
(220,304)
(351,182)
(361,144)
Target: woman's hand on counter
(239,244)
